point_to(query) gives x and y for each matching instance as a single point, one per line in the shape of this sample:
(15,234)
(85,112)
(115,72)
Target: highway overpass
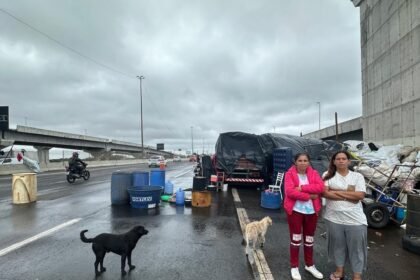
(43,140)
(348,130)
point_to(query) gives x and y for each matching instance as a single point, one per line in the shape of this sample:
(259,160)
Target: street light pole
(192,141)
(141,115)
(319,115)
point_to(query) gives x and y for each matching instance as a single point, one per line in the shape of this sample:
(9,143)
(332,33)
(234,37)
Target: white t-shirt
(345,212)
(304,207)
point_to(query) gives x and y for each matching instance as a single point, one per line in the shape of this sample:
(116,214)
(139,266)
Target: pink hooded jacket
(315,186)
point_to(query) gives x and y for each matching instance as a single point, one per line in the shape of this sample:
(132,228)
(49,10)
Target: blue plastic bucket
(180,197)
(145,198)
(157,177)
(120,182)
(140,178)
(270,200)
(169,188)
(400,213)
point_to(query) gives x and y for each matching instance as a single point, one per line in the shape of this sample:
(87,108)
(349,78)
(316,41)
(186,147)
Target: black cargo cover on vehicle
(258,149)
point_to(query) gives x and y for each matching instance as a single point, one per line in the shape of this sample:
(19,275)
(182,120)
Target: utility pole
(141,115)
(319,115)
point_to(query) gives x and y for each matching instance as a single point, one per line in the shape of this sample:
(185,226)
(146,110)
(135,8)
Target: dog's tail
(83,237)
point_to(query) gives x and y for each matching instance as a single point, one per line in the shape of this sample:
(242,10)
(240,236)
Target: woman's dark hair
(332,168)
(301,154)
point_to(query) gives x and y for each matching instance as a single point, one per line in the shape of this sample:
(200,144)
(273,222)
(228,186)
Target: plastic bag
(31,164)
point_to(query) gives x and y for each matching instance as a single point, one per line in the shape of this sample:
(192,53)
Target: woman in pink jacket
(302,203)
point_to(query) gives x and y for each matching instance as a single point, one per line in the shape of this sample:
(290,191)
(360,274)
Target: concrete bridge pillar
(99,154)
(43,155)
(5,143)
(137,155)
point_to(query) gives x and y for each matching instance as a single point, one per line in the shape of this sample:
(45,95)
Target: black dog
(121,244)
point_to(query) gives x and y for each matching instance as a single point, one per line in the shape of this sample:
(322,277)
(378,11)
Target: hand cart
(387,202)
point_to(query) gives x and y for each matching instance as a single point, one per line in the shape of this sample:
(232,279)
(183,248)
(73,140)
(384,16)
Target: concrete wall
(390,42)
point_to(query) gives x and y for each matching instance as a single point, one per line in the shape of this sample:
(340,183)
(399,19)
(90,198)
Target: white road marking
(256,259)
(36,237)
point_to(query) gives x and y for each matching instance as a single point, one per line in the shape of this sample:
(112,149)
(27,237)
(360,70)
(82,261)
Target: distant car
(177,158)
(156,161)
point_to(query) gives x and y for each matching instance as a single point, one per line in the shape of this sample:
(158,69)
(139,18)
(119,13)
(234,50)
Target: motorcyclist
(76,163)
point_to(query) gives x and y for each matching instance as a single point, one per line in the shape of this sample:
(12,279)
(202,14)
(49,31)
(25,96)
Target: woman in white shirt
(345,219)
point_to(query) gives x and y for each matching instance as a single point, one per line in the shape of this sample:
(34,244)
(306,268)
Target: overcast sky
(216,66)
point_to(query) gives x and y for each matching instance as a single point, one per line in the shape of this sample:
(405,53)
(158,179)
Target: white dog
(255,231)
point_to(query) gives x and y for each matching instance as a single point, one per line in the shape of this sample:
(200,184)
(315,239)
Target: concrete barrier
(9,169)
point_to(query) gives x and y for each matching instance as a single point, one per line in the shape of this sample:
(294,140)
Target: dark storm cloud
(216,66)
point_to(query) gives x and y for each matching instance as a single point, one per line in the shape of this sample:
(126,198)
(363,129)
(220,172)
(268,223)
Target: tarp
(258,149)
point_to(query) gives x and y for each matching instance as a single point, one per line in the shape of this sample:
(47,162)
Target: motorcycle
(73,174)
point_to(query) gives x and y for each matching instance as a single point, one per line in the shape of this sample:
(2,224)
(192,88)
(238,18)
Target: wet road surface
(183,242)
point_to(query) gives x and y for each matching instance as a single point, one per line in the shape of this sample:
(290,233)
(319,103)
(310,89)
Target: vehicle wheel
(377,215)
(86,175)
(70,179)
(411,243)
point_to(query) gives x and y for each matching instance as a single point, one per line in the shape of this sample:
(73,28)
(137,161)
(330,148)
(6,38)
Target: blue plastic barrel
(270,200)
(120,182)
(169,188)
(180,197)
(157,177)
(140,178)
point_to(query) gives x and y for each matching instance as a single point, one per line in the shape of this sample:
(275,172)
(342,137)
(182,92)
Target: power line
(65,46)
(79,54)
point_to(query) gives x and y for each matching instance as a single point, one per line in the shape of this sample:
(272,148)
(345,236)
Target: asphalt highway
(40,240)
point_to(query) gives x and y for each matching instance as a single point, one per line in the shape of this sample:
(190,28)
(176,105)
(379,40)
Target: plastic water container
(157,177)
(270,200)
(148,197)
(400,214)
(140,178)
(169,187)
(180,197)
(120,182)
(24,188)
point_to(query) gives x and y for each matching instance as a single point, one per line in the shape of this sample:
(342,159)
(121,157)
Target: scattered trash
(378,233)
(324,234)
(403,226)
(397,255)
